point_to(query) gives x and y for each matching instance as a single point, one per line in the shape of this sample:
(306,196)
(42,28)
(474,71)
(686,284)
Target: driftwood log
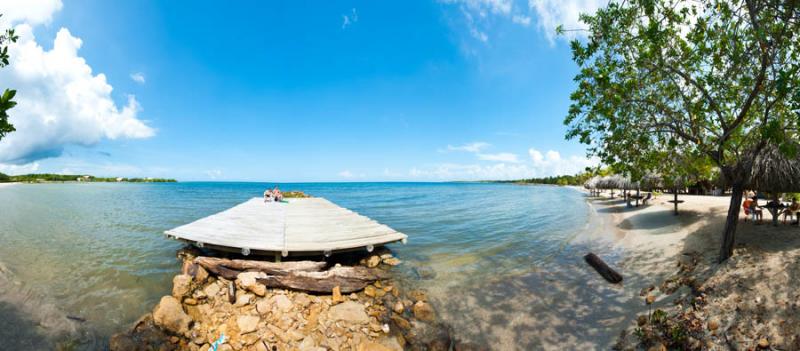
(348,279)
(601,267)
(297,275)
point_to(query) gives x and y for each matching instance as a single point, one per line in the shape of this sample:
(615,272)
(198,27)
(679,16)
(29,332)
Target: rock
(308,343)
(353,296)
(243,300)
(247,281)
(371,346)
(190,301)
(398,307)
(417,295)
(181,285)
(349,311)
(122,342)
(337,295)
(650,299)
(169,315)
(262,307)
(425,273)
(423,311)
(369,291)
(713,324)
(302,300)
(373,261)
(392,261)
(763,343)
(641,320)
(247,324)
(282,302)
(211,290)
(658,347)
(201,275)
(401,322)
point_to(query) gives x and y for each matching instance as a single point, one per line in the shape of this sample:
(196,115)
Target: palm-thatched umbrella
(592,185)
(774,171)
(651,181)
(612,182)
(675,183)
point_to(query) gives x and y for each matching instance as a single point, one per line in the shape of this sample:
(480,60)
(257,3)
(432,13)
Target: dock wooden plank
(301,225)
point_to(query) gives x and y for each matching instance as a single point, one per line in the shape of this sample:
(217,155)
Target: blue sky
(292,91)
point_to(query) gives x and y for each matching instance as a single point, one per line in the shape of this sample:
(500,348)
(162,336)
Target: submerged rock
(423,311)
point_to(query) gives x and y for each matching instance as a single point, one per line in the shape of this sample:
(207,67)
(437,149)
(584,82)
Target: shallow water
(502,262)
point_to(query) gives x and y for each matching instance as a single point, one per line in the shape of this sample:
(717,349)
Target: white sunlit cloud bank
(60,100)
(544,15)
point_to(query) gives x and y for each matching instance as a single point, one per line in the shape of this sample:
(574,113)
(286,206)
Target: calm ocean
(502,263)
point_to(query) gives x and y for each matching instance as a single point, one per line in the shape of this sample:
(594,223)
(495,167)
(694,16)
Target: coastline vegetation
(668,87)
(50,177)
(561,180)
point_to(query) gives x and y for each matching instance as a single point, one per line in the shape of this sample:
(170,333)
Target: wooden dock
(301,226)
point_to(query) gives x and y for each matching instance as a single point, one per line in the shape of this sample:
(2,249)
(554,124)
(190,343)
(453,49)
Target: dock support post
(277,257)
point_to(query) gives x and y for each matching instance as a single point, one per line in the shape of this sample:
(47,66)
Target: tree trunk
(775,211)
(601,267)
(728,236)
(676,201)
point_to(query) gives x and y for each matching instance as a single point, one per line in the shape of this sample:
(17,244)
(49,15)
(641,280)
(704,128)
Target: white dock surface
(303,225)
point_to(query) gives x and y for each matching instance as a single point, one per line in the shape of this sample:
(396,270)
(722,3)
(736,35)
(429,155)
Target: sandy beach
(745,302)
(3,185)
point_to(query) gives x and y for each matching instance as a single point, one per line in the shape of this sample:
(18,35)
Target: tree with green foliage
(713,80)
(6,99)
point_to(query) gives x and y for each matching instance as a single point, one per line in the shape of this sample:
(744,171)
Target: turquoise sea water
(502,262)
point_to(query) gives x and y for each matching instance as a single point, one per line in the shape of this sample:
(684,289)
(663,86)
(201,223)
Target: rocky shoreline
(204,306)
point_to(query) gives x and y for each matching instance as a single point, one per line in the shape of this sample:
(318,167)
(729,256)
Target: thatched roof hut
(651,181)
(773,171)
(592,183)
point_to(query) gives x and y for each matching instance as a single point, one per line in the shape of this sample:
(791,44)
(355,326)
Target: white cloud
(548,15)
(499,157)
(349,19)
(138,77)
(521,20)
(33,12)
(12,169)
(347,174)
(60,101)
(213,173)
(506,166)
(453,171)
(551,163)
(470,147)
(552,13)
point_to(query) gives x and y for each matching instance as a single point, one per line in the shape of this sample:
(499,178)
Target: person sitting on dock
(277,194)
(268,196)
